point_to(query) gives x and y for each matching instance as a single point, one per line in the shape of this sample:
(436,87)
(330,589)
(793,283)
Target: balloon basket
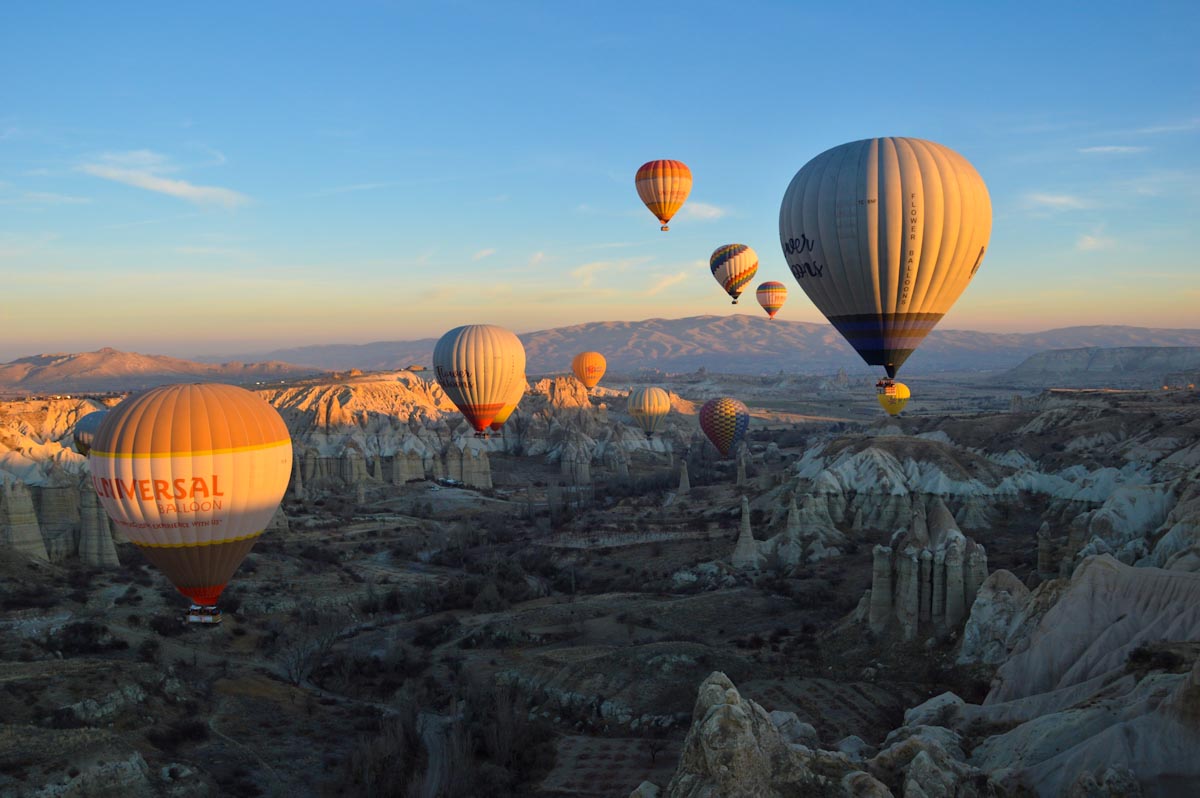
(664,228)
(205,616)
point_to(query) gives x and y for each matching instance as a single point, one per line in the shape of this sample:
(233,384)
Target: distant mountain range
(112,370)
(1121,367)
(744,344)
(725,344)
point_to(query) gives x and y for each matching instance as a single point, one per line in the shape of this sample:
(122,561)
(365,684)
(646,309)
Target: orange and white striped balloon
(192,475)
(664,186)
(589,368)
(476,365)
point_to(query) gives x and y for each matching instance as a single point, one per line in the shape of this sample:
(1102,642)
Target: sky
(227,178)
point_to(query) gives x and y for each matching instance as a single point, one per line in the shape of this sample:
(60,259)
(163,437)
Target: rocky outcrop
(745,552)
(928,577)
(95,531)
(685,484)
(18,520)
(1106,611)
(996,616)
(734,750)
(57,509)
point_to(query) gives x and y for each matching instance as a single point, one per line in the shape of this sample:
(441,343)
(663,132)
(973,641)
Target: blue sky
(230,177)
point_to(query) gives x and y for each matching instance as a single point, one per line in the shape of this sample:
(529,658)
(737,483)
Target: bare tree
(307,645)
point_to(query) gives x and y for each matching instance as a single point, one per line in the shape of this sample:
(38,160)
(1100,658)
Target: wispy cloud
(146,169)
(1177,127)
(1054,202)
(41,198)
(1111,149)
(586,274)
(702,211)
(228,253)
(483,253)
(1094,243)
(325,192)
(665,282)
(536,258)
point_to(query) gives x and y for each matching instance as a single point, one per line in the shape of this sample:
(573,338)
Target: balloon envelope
(192,475)
(733,266)
(85,431)
(664,187)
(514,399)
(884,235)
(589,368)
(771,295)
(894,397)
(649,406)
(725,421)
(477,365)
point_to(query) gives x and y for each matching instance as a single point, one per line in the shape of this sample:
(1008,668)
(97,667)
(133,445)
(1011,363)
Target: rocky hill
(744,344)
(1095,367)
(111,370)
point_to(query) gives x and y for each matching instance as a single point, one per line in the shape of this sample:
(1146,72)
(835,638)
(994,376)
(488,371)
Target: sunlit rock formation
(18,521)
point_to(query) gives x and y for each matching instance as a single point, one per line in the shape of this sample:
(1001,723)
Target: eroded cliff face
(1097,693)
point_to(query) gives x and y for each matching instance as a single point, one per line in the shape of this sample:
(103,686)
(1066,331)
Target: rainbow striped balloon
(725,421)
(771,295)
(733,266)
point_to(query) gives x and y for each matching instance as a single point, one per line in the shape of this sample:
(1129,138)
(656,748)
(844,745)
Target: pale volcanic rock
(685,484)
(927,577)
(475,467)
(733,750)
(1130,512)
(18,521)
(996,615)
(745,552)
(563,392)
(1130,725)
(58,519)
(1107,610)
(1181,529)
(95,533)
(928,761)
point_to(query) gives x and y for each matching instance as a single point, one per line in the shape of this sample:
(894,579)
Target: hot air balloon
(476,365)
(664,187)
(883,235)
(724,420)
(649,406)
(589,368)
(893,396)
(771,295)
(733,265)
(514,399)
(85,431)
(192,474)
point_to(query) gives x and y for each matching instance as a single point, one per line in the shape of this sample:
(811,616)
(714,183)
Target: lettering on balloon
(156,489)
(190,507)
(169,524)
(910,257)
(801,244)
(454,378)
(807,269)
